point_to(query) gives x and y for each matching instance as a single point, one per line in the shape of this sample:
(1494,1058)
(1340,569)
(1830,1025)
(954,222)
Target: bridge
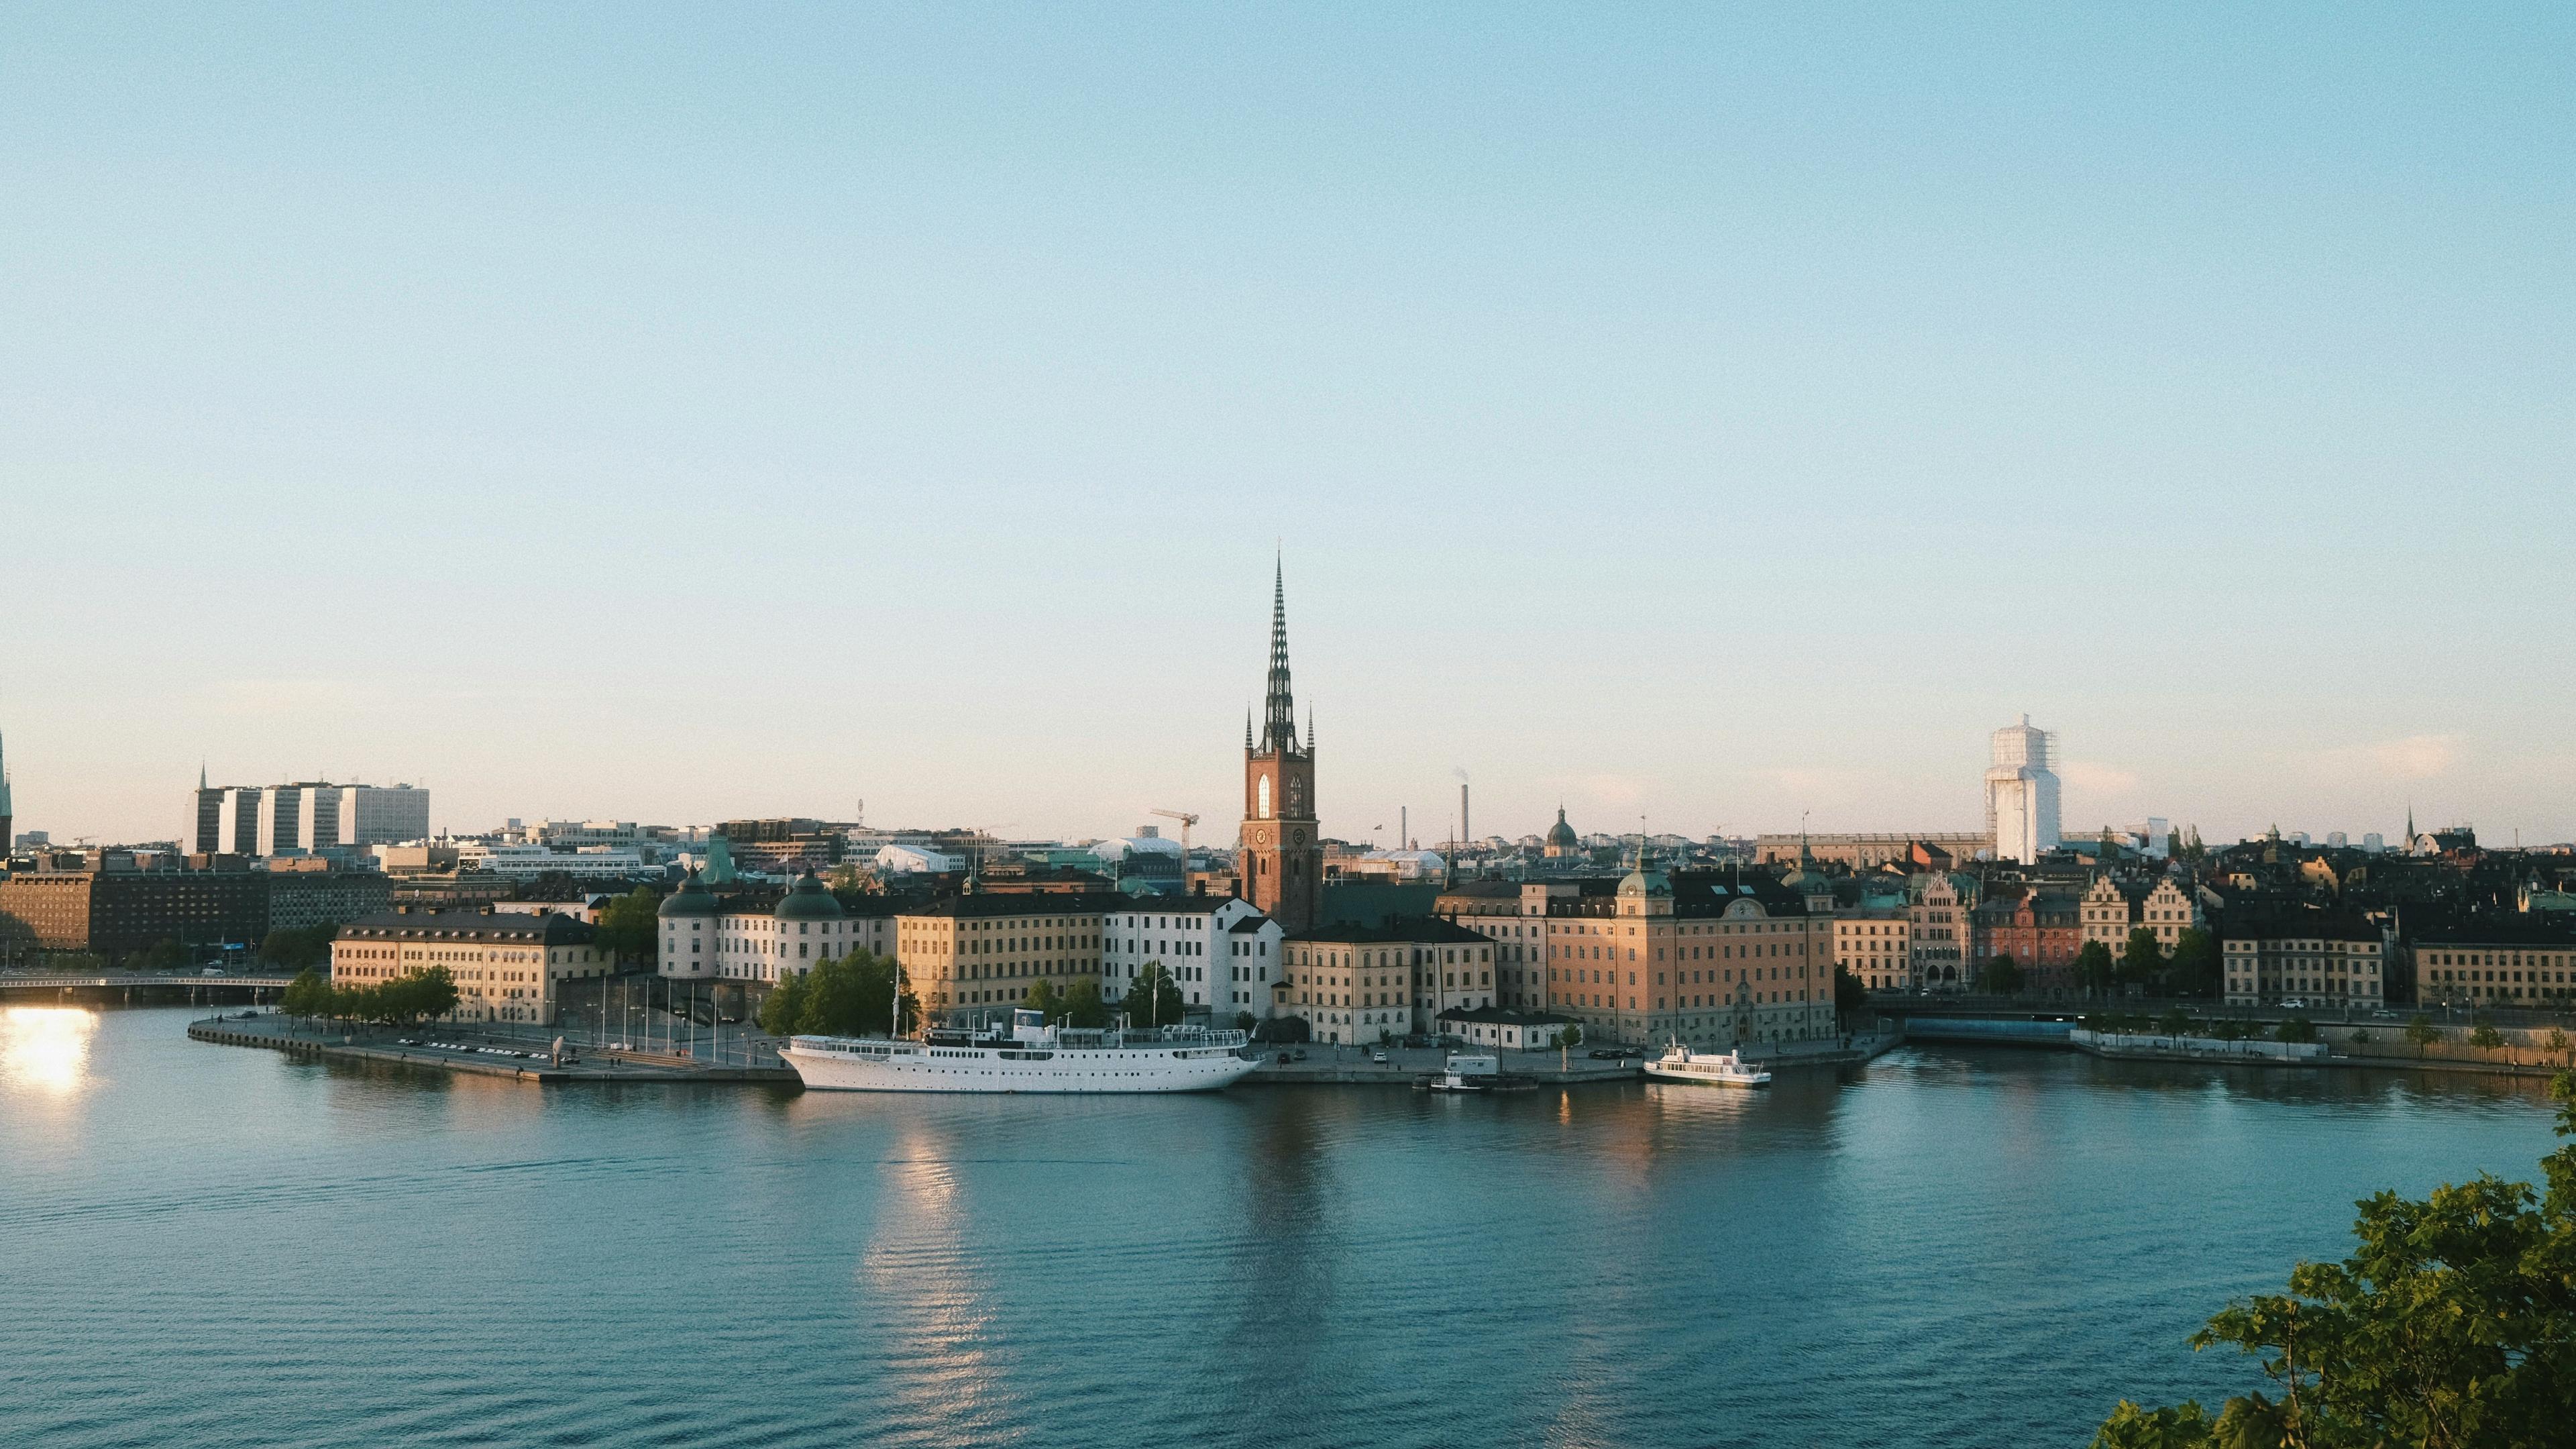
(43,981)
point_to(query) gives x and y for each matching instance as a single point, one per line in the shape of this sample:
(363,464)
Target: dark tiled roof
(1405,932)
(1031,904)
(549,929)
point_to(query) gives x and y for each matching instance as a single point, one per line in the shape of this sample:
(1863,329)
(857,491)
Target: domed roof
(1561,833)
(691,899)
(808,900)
(1644,882)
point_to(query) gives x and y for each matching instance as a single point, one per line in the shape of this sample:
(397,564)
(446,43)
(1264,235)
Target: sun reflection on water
(45,1047)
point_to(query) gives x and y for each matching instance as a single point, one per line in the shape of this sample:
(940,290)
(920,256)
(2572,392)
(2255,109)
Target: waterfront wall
(2121,1044)
(1996,1029)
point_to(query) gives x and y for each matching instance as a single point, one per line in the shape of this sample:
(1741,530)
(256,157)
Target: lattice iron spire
(1279,711)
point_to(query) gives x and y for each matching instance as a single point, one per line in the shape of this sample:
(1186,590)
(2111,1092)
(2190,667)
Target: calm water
(218,1246)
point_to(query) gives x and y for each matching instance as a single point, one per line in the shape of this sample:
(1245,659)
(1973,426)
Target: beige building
(506,967)
(1940,932)
(2112,909)
(1360,985)
(2507,965)
(1868,851)
(2330,959)
(1512,915)
(1741,961)
(977,953)
(1877,948)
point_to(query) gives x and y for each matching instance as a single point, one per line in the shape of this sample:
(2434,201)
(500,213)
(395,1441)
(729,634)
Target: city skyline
(1704,416)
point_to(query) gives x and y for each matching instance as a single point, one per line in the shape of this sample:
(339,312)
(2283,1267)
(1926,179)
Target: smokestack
(1464,834)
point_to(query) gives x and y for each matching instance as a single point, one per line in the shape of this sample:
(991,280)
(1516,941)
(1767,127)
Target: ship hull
(910,1067)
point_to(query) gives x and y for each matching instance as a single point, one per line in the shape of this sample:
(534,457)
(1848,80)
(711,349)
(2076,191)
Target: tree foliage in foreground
(2452,1326)
(416,997)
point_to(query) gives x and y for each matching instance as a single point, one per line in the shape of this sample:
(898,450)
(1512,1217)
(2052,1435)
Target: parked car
(2292,1003)
(1377,1058)
(1605,1054)
(2383,1016)
(212,971)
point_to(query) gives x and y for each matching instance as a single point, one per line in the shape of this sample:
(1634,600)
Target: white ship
(1030,1057)
(1717,1069)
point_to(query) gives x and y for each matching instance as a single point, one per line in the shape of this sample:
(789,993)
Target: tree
(1042,996)
(2421,1031)
(165,954)
(297,948)
(2093,967)
(1849,994)
(2557,1043)
(2175,1022)
(2486,1038)
(2142,960)
(1572,1036)
(1152,999)
(1082,1004)
(2001,976)
(2193,968)
(308,995)
(2447,1326)
(2295,1029)
(851,996)
(630,924)
(1243,1021)
(784,1005)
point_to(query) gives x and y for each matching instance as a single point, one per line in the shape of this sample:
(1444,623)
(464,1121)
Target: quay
(473,1052)
(2377,1041)
(1355,1066)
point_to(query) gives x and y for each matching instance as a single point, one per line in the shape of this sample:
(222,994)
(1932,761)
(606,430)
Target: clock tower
(1282,848)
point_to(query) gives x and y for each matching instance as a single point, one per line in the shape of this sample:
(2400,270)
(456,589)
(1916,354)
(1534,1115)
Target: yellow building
(2524,963)
(1876,947)
(1360,985)
(977,953)
(1744,960)
(506,967)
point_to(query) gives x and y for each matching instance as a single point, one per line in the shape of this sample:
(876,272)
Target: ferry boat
(1030,1056)
(1715,1069)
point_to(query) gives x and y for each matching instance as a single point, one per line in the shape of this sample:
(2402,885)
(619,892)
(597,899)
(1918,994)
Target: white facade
(2022,793)
(526,862)
(916,860)
(756,945)
(1223,953)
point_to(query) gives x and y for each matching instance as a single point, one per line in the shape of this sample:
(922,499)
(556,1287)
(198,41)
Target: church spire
(1279,709)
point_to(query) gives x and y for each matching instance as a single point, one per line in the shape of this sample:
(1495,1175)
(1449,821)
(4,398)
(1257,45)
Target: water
(219,1246)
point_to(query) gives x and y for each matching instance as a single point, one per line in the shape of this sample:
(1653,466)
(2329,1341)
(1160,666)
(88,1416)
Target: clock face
(1296,837)
(1261,837)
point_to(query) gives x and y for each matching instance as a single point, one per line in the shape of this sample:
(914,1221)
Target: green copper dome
(808,900)
(691,899)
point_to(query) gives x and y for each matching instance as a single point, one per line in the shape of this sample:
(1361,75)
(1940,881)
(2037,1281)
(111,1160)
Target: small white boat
(1712,1069)
(1465,1073)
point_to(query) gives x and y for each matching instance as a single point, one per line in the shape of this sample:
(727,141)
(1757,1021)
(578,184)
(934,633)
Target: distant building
(1360,985)
(2510,961)
(117,912)
(1223,954)
(972,954)
(1870,850)
(1280,844)
(1939,931)
(763,936)
(301,818)
(8,807)
(916,860)
(1501,1029)
(307,899)
(1875,947)
(2022,793)
(506,967)
(2328,958)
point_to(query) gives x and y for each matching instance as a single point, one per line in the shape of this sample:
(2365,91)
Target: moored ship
(1716,1069)
(1030,1056)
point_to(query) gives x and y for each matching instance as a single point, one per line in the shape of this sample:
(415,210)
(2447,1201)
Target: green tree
(297,948)
(630,925)
(2486,1038)
(2141,960)
(1572,1036)
(2557,1043)
(2175,1022)
(2421,1031)
(1849,994)
(165,954)
(2193,968)
(308,995)
(1152,998)
(2093,968)
(2001,976)
(852,996)
(1244,1021)
(1082,1004)
(1042,996)
(2447,1326)
(2295,1029)
(784,1006)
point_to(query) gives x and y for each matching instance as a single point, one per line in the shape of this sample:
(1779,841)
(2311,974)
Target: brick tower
(1283,850)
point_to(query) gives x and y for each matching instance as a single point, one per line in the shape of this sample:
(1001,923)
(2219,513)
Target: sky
(1720,416)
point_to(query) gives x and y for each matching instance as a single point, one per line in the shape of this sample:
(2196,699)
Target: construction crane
(1187,820)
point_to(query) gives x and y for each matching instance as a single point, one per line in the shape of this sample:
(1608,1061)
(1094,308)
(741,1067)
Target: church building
(1281,845)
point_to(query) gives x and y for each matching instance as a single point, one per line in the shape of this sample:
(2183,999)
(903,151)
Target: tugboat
(1712,1069)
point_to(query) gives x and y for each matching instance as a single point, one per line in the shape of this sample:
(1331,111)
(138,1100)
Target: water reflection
(921,1280)
(46,1047)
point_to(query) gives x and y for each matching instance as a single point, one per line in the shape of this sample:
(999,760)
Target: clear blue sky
(1717,413)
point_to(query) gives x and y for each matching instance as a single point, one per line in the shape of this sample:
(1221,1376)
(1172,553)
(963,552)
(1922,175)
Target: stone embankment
(278,1033)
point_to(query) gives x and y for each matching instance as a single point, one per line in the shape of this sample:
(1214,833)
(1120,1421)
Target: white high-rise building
(2021,793)
(303,818)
